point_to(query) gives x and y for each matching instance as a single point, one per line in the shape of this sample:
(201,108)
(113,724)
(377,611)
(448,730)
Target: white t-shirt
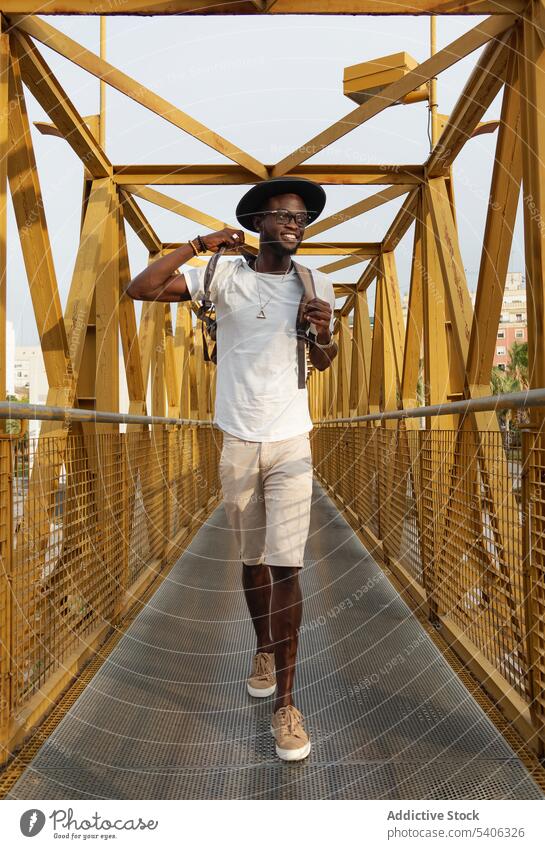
(257,394)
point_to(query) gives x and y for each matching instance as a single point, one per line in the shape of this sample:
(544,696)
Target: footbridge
(124,638)
(130,639)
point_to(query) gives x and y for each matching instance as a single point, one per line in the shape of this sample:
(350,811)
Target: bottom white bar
(268,823)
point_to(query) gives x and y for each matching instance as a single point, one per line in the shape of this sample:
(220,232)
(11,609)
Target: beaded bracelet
(195,250)
(323,347)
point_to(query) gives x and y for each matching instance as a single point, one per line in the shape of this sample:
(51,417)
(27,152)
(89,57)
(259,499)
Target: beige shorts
(267,489)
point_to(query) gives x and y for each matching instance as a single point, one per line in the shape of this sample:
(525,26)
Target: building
(513,325)
(30,380)
(10,358)
(27,380)
(29,376)
(513,320)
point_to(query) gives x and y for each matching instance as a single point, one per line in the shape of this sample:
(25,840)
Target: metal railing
(509,401)
(87,521)
(43,412)
(460,520)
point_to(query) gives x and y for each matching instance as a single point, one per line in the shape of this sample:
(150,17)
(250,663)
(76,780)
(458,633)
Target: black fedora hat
(252,202)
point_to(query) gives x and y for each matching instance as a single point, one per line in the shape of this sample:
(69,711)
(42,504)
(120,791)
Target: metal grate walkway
(168,717)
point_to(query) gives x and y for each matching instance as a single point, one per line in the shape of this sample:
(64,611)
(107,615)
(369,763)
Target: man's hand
(318,312)
(228,237)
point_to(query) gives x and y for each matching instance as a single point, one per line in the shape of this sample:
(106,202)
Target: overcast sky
(268,84)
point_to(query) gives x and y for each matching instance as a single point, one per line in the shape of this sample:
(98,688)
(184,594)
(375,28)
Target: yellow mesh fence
(88,519)
(83,519)
(447,506)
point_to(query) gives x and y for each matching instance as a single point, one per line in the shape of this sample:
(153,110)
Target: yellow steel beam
(392,7)
(35,243)
(367,277)
(142,227)
(451,266)
(185,211)
(413,330)
(355,209)
(532,87)
(129,331)
(256,7)
(401,222)
(344,289)
(50,95)
(183,353)
(376,371)
(46,128)
(480,90)
(88,267)
(455,314)
(70,49)
(496,250)
(229,174)
(107,320)
(437,372)
(394,316)
(172,374)
(456,50)
(361,356)
(339,264)
(343,370)
(4,149)
(364,250)
(139,223)
(157,367)
(149,316)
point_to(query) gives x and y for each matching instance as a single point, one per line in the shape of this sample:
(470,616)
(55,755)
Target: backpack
(304,335)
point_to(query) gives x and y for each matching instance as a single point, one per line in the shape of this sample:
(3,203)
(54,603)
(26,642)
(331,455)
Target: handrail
(43,412)
(508,401)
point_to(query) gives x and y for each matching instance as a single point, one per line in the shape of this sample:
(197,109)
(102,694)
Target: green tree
(501,383)
(514,378)
(12,425)
(420,389)
(517,367)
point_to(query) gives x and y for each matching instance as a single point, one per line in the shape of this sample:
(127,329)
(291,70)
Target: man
(266,464)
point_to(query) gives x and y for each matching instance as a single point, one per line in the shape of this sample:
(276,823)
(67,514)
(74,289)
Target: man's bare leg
(286,613)
(256,581)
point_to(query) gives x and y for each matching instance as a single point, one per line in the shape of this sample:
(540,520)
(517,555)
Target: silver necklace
(261,313)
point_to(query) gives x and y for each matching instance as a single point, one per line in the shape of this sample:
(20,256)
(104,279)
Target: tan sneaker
(262,681)
(292,743)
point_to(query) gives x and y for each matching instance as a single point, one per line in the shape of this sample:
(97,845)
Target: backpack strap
(206,308)
(302,325)
(206,303)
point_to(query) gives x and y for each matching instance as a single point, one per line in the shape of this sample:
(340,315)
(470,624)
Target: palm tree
(420,389)
(517,367)
(513,379)
(501,382)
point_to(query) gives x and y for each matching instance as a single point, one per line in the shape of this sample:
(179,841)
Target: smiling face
(282,239)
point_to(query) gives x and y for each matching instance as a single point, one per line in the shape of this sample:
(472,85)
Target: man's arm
(161,281)
(318,312)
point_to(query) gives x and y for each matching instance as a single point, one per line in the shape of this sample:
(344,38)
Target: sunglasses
(284,216)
